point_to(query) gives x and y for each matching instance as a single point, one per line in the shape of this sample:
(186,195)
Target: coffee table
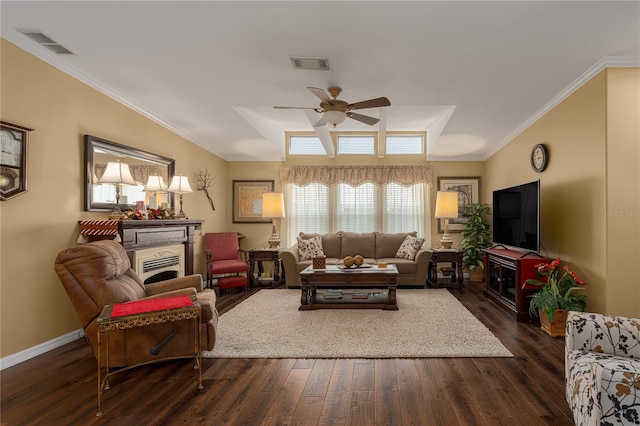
(353,288)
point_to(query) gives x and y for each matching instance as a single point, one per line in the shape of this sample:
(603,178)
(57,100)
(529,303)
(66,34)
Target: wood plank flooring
(59,387)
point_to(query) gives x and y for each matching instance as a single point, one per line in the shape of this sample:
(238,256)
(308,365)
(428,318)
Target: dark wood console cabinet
(505,274)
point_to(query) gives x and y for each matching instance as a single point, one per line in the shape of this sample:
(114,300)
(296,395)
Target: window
(356,145)
(306,145)
(307,209)
(356,208)
(405,144)
(404,208)
(320,208)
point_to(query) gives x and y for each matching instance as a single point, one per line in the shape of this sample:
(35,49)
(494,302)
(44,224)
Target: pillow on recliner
(409,247)
(307,249)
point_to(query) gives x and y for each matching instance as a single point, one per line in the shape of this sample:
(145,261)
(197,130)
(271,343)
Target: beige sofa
(373,246)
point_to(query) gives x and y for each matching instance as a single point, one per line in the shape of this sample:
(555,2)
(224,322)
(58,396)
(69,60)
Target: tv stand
(505,274)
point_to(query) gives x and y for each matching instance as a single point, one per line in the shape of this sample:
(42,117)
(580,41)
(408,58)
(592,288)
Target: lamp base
(274,243)
(274,239)
(446,244)
(118,216)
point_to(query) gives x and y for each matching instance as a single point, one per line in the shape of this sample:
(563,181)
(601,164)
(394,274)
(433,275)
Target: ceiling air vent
(39,37)
(310,63)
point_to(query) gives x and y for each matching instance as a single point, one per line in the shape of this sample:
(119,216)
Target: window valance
(355,175)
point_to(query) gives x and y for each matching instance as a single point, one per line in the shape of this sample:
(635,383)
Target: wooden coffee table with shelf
(354,288)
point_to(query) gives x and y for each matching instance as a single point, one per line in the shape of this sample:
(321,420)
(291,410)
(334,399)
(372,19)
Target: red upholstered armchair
(225,261)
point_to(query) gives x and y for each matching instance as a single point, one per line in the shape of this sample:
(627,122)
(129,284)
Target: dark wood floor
(59,387)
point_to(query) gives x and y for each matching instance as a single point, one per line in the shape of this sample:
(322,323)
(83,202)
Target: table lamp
(273,207)
(154,184)
(180,185)
(118,174)
(446,208)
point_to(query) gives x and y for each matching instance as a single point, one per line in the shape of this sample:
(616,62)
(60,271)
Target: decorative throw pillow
(409,247)
(307,249)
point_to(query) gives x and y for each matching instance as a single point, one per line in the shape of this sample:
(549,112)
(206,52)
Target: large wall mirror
(98,153)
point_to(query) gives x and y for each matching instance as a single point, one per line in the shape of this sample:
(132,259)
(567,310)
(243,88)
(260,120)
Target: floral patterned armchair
(602,369)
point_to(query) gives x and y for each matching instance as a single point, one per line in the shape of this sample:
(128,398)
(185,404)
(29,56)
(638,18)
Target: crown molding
(606,62)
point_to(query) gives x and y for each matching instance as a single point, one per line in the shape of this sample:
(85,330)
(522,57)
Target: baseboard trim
(17,358)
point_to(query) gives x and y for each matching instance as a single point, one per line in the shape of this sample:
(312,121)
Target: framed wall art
(468,188)
(13,160)
(247,200)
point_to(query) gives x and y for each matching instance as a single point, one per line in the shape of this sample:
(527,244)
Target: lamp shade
(154,184)
(446,204)
(117,172)
(273,204)
(334,116)
(180,185)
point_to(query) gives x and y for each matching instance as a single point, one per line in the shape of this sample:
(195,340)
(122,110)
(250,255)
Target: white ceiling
(472,74)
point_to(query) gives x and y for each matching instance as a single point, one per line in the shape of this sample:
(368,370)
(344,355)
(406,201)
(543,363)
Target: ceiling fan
(335,111)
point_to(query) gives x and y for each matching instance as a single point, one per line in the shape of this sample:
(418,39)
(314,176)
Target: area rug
(429,323)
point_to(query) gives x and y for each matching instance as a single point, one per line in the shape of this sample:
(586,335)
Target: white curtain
(392,207)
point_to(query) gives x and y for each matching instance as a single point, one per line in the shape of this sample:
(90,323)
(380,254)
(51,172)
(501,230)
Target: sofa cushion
(354,243)
(307,249)
(387,245)
(331,243)
(409,247)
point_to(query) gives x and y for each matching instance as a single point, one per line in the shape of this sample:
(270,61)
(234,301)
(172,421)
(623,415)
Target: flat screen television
(516,216)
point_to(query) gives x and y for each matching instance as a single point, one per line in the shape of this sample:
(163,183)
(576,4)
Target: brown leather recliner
(99,273)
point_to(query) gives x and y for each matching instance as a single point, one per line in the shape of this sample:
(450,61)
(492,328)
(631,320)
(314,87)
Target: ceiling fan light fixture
(335,117)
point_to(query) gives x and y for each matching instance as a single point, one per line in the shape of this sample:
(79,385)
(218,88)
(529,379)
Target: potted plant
(476,236)
(556,296)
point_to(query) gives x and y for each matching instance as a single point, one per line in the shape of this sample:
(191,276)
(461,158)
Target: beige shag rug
(429,323)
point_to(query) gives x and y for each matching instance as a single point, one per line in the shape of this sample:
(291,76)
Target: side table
(259,255)
(452,256)
(107,323)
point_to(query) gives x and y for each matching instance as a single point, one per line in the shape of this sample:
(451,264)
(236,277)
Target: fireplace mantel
(142,234)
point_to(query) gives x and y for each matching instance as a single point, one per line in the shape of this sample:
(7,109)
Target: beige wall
(592,159)
(38,224)
(623,192)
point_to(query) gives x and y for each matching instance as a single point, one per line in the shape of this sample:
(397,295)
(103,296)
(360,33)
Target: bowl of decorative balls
(354,262)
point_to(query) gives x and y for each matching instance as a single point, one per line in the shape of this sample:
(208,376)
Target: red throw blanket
(150,305)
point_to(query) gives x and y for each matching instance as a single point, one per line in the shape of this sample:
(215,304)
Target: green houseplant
(476,236)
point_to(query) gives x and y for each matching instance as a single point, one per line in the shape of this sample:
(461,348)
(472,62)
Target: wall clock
(13,160)
(539,158)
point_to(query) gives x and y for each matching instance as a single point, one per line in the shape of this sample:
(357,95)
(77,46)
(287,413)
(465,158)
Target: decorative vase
(476,274)
(555,328)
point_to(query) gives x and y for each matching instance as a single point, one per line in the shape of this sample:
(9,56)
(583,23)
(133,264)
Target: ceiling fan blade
(320,93)
(371,103)
(320,122)
(288,107)
(363,118)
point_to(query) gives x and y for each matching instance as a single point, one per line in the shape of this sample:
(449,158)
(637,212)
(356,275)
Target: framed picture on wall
(13,160)
(468,188)
(247,200)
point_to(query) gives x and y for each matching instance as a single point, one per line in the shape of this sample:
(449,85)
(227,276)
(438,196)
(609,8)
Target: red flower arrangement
(558,290)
